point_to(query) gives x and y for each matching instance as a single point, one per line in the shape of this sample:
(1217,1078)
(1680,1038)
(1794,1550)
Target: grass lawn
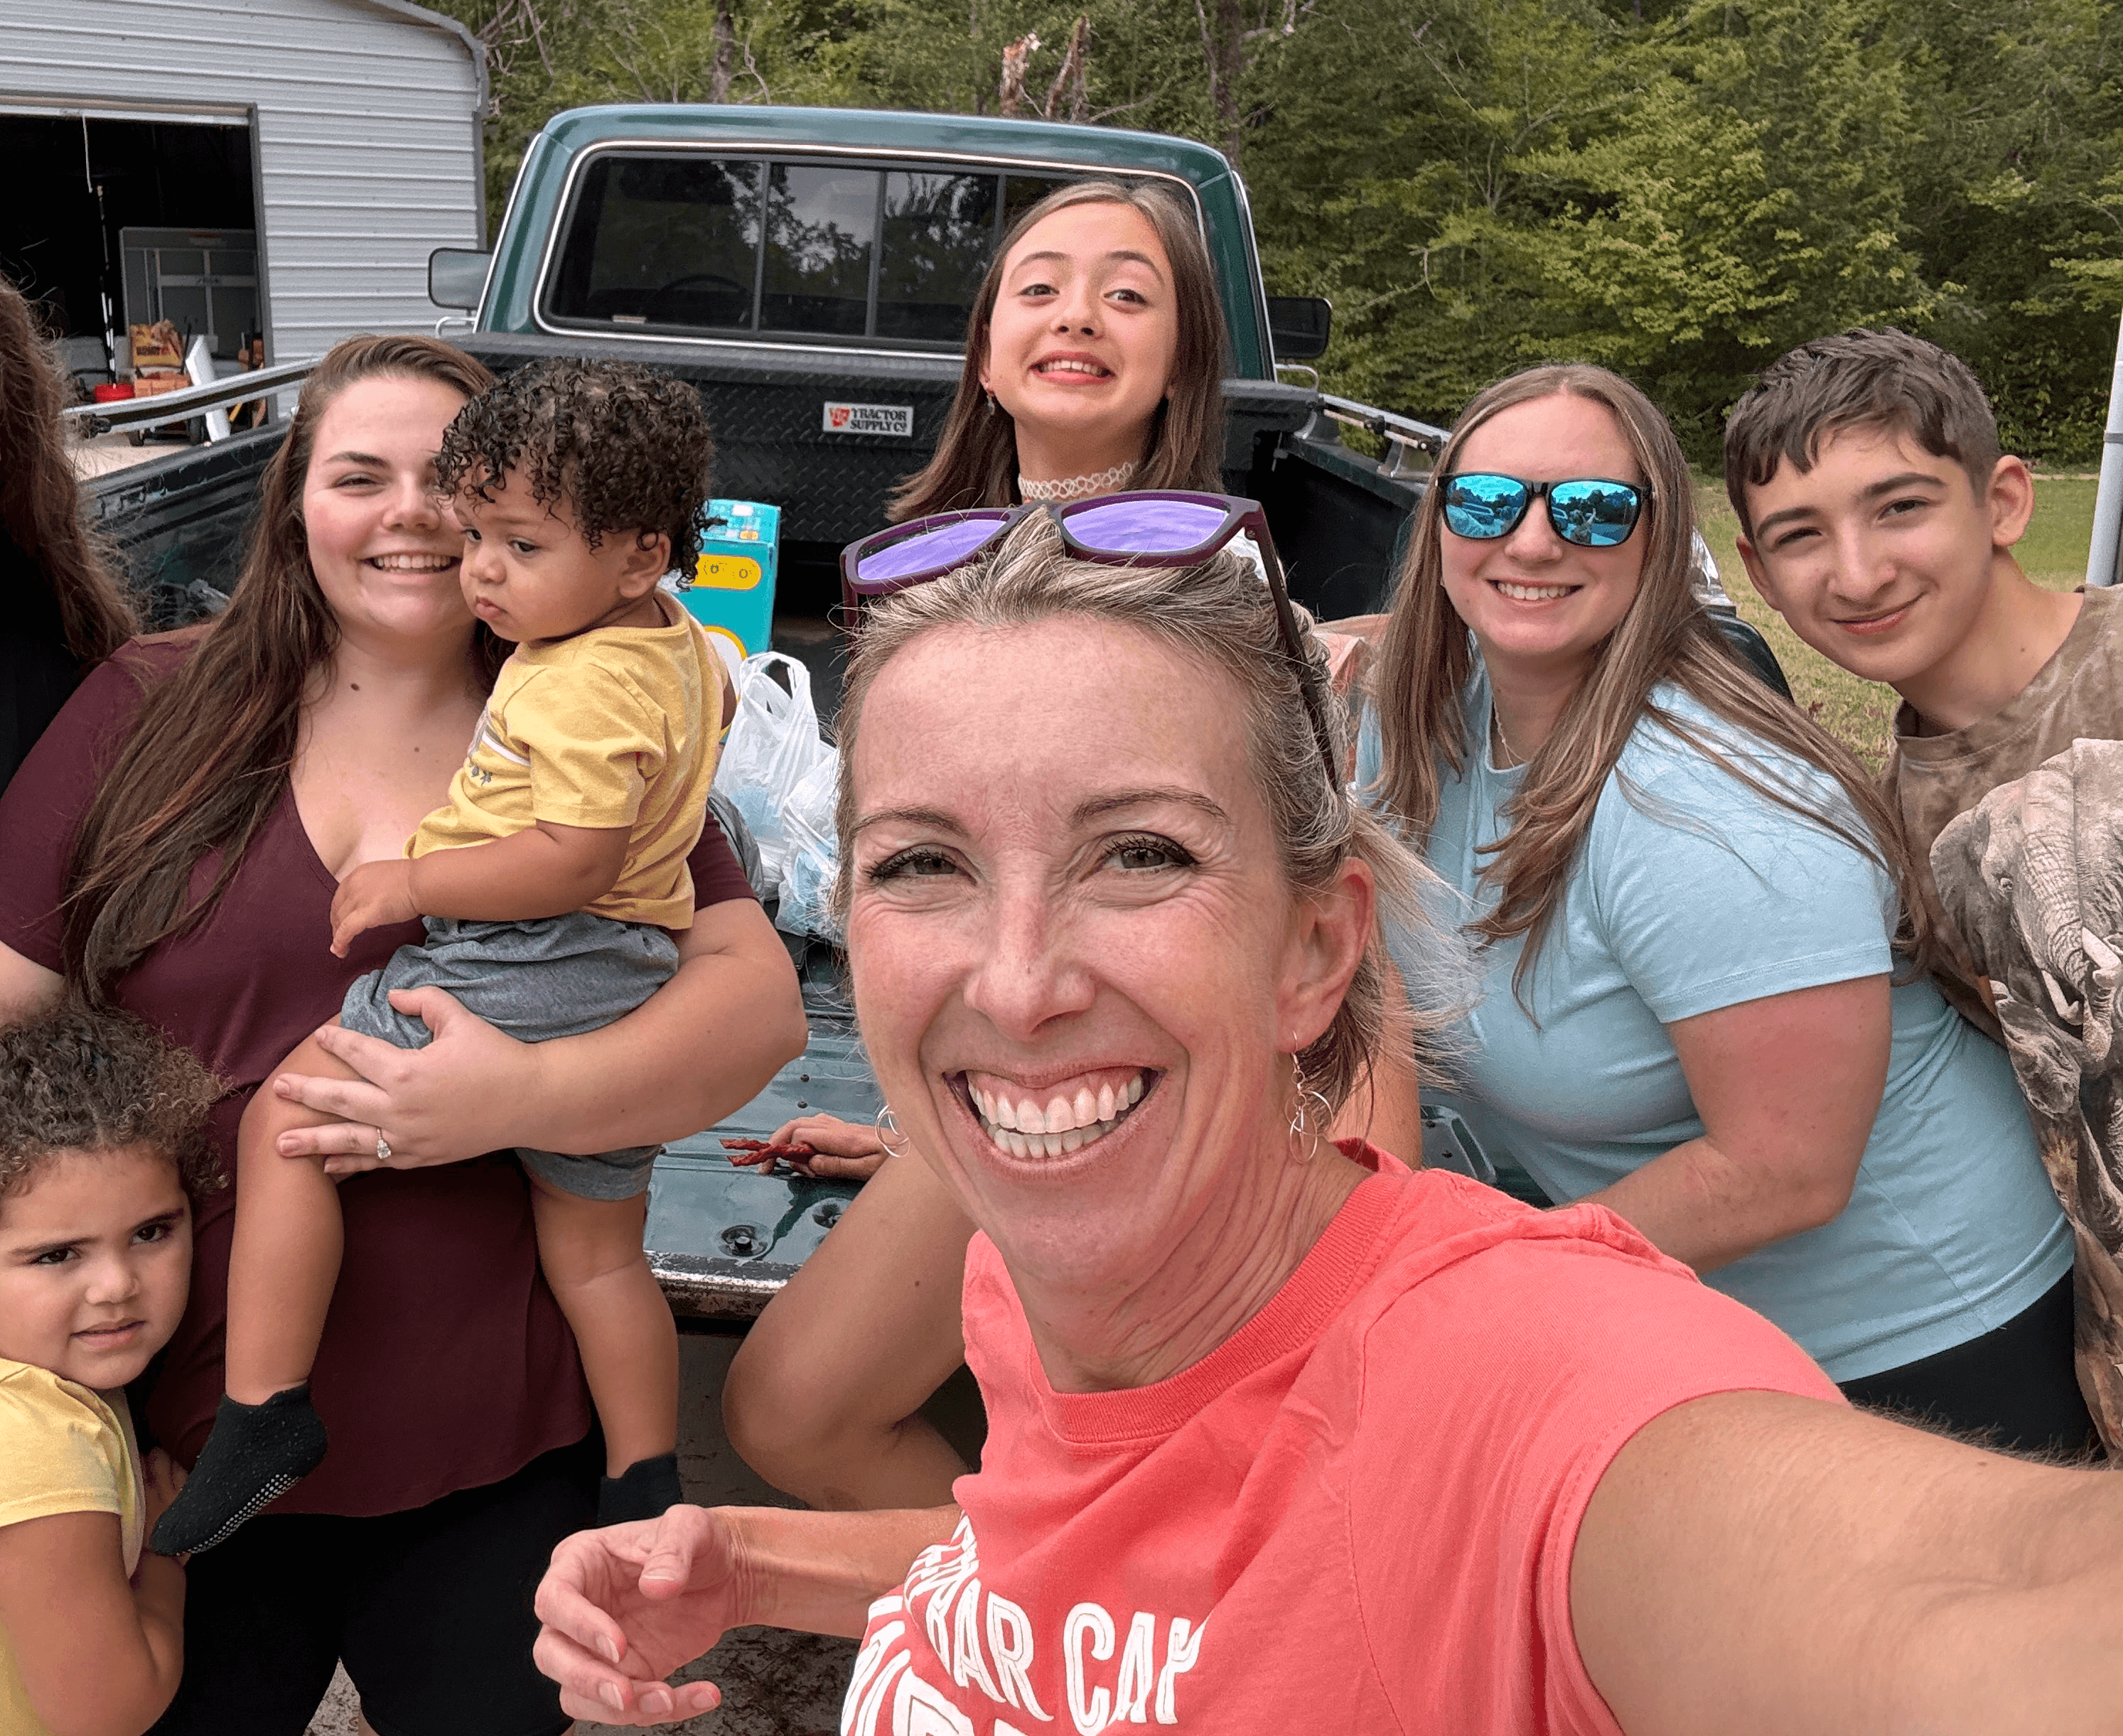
(1860,712)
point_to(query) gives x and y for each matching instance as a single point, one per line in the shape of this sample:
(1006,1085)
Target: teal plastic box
(732,594)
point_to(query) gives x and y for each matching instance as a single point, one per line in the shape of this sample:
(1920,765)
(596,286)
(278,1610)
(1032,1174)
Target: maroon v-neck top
(445,1364)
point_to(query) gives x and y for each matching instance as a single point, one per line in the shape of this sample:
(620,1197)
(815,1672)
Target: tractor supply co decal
(897,419)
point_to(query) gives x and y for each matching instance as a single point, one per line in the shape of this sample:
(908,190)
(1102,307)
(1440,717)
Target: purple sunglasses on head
(1150,527)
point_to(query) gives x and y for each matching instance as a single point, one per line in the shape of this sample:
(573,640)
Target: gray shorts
(558,976)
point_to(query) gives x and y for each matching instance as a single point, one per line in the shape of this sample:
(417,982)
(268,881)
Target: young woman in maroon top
(172,845)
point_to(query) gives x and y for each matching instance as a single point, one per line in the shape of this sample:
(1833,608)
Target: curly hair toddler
(550,884)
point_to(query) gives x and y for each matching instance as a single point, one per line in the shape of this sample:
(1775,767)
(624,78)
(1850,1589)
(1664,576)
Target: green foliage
(1678,188)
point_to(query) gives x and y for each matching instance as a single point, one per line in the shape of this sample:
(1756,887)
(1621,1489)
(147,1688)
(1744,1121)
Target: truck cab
(811,271)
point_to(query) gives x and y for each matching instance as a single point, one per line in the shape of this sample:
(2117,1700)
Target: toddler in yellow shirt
(102,1141)
(550,883)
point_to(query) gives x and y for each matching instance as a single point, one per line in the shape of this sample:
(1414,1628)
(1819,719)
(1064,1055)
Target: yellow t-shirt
(62,1449)
(617,727)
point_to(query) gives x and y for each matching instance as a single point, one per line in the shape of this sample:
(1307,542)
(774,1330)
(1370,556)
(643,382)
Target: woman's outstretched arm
(700,1047)
(822,1399)
(1758,1563)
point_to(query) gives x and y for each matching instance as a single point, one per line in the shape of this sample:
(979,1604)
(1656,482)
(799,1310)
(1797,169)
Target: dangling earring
(1300,1122)
(991,403)
(888,1123)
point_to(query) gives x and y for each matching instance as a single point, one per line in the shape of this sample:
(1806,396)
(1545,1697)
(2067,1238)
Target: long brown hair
(208,755)
(39,497)
(976,460)
(1665,636)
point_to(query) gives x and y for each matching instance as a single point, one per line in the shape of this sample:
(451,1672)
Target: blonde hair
(1218,615)
(1666,636)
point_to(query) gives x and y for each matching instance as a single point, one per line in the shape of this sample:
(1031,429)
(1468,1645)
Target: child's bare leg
(591,1252)
(284,1262)
(283,1266)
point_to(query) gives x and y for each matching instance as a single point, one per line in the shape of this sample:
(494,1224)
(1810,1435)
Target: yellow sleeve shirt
(62,1449)
(615,728)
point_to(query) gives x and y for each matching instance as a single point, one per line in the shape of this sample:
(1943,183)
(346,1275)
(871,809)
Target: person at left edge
(62,611)
(258,760)
(102,1145)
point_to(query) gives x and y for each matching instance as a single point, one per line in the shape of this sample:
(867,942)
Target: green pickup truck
(788,261)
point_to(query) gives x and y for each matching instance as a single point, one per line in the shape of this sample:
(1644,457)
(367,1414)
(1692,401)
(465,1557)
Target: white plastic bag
(811,855)
(773,745)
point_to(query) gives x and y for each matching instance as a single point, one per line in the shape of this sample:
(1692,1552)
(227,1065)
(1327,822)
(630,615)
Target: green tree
(1679,189)
(1681,201)
(2013,191)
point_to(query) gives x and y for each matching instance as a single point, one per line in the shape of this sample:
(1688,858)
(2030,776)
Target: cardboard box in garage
(158,345)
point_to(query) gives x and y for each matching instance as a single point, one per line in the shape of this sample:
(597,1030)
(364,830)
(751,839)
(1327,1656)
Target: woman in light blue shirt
(1690,897)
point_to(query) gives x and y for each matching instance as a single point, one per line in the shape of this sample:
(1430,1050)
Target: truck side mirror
(456,277)
(1297,325)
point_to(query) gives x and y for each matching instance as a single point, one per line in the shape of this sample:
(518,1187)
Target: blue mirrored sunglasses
(1592,511)
(1153,528)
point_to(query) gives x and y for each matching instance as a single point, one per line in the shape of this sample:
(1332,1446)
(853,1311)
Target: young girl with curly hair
(103,1142)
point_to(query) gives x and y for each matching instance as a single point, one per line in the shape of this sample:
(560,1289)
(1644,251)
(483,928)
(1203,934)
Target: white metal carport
(365,118)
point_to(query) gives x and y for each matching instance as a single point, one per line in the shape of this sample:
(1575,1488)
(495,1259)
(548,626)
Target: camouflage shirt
(2021,817)
(1930,778)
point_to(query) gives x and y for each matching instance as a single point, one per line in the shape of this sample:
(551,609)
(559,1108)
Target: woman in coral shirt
(1284,1436)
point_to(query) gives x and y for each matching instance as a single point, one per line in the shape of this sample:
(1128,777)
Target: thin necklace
(1503,741)
(1077,487)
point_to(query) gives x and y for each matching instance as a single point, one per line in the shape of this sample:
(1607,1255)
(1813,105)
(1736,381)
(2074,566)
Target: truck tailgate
(723,1239)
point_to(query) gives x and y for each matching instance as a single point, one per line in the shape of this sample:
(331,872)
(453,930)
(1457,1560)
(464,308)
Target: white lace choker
(1078,488)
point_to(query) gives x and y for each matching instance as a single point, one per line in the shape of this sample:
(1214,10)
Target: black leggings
(2014,1388)
(430,1610)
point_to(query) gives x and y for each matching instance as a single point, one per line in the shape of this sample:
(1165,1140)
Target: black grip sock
(255,1454)
(642,1492)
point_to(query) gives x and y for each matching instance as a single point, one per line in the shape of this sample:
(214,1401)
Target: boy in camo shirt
(1878,514)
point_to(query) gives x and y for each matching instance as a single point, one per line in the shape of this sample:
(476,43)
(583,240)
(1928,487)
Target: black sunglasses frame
(1239,514)
(1545,491)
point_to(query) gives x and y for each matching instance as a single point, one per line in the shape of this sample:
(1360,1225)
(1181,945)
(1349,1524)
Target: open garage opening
(131,219)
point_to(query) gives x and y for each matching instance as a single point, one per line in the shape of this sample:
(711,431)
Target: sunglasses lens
(1594,515)
(926,551)
(1483,508)
(1146,526)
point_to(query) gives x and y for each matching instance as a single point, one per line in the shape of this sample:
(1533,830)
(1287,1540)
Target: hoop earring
(888,1123)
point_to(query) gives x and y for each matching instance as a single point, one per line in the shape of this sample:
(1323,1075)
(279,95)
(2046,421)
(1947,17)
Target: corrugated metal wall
(367,115)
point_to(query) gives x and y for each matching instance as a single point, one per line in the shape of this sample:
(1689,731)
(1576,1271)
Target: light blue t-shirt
(1700,894)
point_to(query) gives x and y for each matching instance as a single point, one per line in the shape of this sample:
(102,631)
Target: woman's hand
(437,1105)
(699,1048)
(374,895)
(846,1151)
(624,1607)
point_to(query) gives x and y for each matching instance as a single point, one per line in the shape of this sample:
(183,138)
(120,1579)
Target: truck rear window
(688,243)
